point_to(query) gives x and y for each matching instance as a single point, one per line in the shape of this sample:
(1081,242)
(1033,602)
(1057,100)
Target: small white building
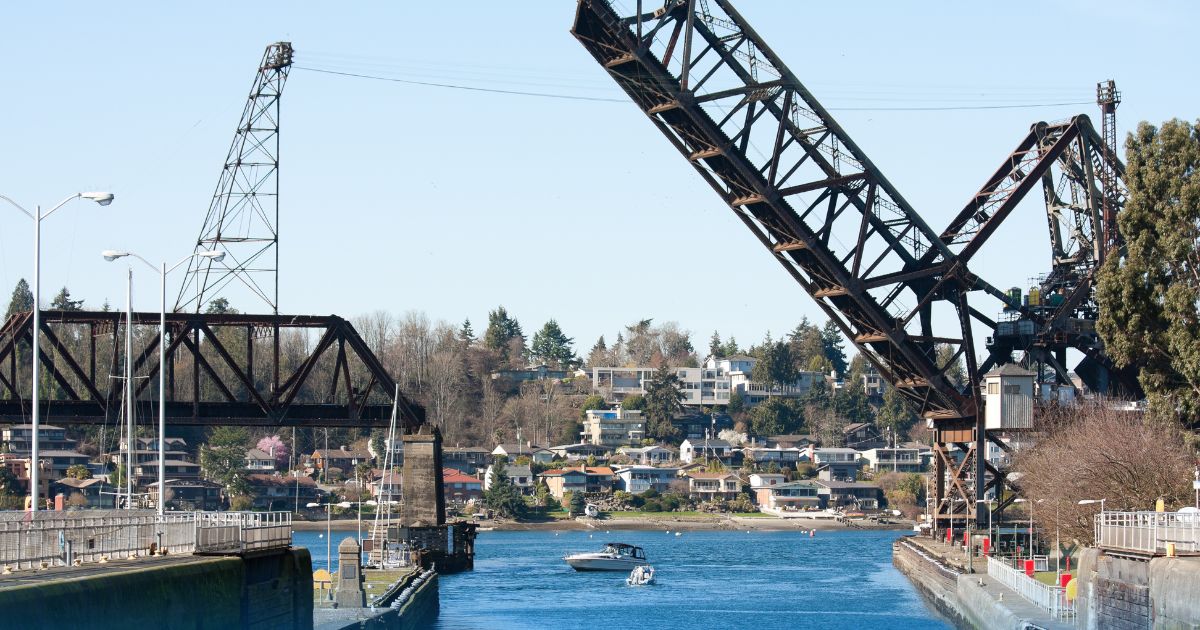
(1008,398)
(613,428)
(691,451)
(895,459)
(639,479)
(520,476)
(534,453)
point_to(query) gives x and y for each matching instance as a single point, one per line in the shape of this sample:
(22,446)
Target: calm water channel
(760,580)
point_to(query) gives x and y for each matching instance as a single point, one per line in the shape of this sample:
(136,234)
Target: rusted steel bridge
(222,369)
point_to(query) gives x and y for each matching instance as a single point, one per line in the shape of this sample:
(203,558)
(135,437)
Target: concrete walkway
(26,577)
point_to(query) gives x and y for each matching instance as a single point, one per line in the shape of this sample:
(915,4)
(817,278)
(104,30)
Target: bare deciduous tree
(1096,452)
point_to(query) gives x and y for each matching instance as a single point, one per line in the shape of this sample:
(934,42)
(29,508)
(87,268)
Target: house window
(1012,389)
(993,388)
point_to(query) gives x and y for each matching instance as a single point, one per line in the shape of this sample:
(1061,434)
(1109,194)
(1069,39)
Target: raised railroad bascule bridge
(896,287)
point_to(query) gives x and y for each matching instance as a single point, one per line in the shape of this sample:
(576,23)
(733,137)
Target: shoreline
(640,523)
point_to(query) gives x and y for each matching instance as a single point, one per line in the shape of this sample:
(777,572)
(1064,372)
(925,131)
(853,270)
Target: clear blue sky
(400,197)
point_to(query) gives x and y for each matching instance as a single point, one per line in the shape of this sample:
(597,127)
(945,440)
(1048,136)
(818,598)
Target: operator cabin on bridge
(1008,398)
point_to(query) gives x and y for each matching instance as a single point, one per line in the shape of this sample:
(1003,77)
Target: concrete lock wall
(1126,593)
(221,592)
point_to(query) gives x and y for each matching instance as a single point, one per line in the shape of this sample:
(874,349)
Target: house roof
(855,426)
(794,484)
(582,446)
(450,475)
(255,453)
(710,475)
(592,471)
(513,470)
(1009,369)
(72,482)
(262,479)
(740,357)
(465,449)
(844,485)
(640,467)
(711,443)
(60,454)
(832,450)
(337,453)
(41,427)
(516,449)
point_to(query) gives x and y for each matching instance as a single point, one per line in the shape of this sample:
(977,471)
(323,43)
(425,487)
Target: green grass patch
(659,514)
(753,515)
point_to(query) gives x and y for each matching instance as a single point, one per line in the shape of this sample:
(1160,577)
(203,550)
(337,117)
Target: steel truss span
(223,369)
(821,208)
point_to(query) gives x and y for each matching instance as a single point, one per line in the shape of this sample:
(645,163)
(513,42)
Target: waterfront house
(535,453)
(520,476)
(397,450)
(258,461)
(55,462)
(96,493)
(712,448)
(650,455)
(639,478)
(765,480)
(466,459)
(694,426)
(795,495)
(343,459)
(459,488)
(849,494)
(712,486)
(281,492)
(190,494)
(581,451)
(146,473)
(583,479)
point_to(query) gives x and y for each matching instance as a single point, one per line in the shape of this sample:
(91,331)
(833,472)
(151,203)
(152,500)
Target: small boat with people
(614,557)
(641,576)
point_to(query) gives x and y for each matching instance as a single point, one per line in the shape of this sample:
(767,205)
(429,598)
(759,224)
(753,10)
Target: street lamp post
(1024,500)
(111,255)
(1091,501)
(102,198)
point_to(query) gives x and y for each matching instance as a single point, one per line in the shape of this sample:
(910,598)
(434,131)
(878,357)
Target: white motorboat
(641,576)
(614,557)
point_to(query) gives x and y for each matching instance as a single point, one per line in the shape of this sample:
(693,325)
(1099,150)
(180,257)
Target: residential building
(613,428)
(19,438)
(259,461)
(739,368)
(343,459)
(583,479)
(695,426)
(795,495)
(459,488)
(901,459)
(466,459)
(801,440)
(786,457)
(97,493)
(836,463)
(397,450)
(850,494)
(712,448)
(281,492)
(650,455)
(520,476)
(513,451)
(862,436)
(388,485)
(873,383)
(532,373)
(638,479)
(580,452)
(190,494)
(707,386)
(146,473)
(55,462)
(713,486)
(766,480)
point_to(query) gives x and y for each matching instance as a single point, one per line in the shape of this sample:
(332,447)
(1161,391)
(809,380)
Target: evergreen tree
(776,416)
(598,357)
(503,496)
(956,373)
(715,349)
(21,300)
(594,401)
(775,366)
(63,302)
(831,339)
(220,306)
(663,402)
(634,402)
(223,459)
(466,334)
(1150,297)
(501,332)
(895,413)
(552,346)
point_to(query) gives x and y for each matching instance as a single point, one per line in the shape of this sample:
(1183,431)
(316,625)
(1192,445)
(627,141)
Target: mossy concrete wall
(1127,593)
(205,593)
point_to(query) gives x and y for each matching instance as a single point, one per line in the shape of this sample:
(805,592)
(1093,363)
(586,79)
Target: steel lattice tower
(243,218)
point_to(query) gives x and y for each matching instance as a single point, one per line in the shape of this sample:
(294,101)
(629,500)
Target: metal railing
(1052,599)
(32,540)
(37,539)
(1148,532)
(242,532)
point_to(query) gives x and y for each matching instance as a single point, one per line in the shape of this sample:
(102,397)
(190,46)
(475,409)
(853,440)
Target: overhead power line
(601,99)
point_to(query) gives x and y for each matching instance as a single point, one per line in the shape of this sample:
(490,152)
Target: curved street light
(102,198)
(110,255)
